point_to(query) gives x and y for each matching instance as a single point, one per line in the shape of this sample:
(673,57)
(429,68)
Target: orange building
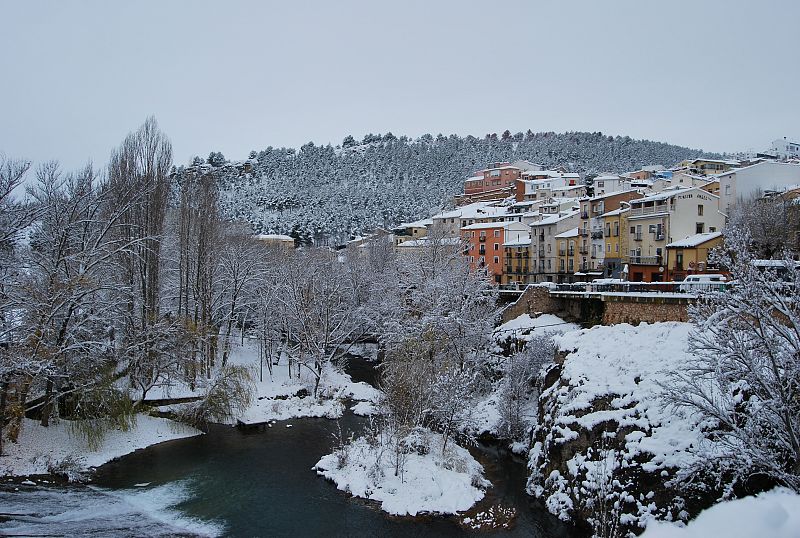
(484,245)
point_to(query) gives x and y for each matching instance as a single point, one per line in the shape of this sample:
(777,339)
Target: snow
(525,327)
(431,482)
(611,375)
(694,240)
(38,447)
(628,363)
(281,397)
(774,514)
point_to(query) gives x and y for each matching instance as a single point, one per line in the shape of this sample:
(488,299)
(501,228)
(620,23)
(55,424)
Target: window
(712,229)
(608,247)
(472,259)
(699,210)
(699,227)
(633,229)
(727,190)
(483,233)
(497,246)
(496,259)
(497,233)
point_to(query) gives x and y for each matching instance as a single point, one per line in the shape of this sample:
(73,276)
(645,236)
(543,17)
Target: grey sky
(235,76)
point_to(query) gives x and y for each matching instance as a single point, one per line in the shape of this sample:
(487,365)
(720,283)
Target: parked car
(706,282)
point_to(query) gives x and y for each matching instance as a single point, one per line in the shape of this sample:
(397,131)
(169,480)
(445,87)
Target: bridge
(608,303)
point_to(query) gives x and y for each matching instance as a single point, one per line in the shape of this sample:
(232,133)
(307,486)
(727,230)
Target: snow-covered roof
(694,240)
(552,219)
(273,237)
(521,242)
(416,224)
(485,225)
(477,210)
(664,195)
(422,241)
(569,233)
(474,178)
(616,212)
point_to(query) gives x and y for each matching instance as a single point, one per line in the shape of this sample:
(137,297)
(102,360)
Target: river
(237,483)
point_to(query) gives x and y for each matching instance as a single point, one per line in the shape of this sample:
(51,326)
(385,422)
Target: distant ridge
(326,194)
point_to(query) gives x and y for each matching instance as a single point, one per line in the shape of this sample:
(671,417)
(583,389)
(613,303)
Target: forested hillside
(326,195)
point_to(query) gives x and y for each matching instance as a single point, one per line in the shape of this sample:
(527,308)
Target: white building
(786,149)
(750,180)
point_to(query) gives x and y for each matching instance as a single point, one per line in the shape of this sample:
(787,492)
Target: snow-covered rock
(603,424)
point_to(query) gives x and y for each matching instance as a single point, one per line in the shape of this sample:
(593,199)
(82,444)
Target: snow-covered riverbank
(58,448)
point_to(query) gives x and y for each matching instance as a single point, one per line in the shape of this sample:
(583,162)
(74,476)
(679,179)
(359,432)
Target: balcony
(571,252)
(583,249)
(541,237)
(562,252)
(643,211)
(584,215)
(597,234)
(583,232)
(659,237)
(637,237)
(644,260)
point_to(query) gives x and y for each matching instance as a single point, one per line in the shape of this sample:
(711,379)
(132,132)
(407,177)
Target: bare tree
(746,379)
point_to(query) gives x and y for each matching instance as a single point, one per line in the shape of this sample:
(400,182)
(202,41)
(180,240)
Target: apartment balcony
(660,237)
(583,232)
(562,252)
(644,211)
(598,234)
(584,215)
(644,260)
(571,252)
(541,237)
(583,249)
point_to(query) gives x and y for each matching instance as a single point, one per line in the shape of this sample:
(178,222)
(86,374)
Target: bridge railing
(642,287)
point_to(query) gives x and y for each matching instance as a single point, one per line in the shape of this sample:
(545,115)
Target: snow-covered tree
(746,379)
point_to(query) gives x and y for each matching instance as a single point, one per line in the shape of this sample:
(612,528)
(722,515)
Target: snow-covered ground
(526,327)
(774,514)
(277,395)
(39,449)
(431,483)
(611,379)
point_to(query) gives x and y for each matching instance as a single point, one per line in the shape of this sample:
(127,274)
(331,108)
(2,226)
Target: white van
(708,282)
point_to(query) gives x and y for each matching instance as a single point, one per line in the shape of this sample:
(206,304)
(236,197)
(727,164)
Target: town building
(484,245)
(755,180)
(656,220)
(785,149)
(544,254)
(517,256)
(566,243)
(615,233)
(591,243)
(449,223)
(689,256)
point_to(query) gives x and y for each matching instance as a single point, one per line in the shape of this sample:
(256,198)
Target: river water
(234,483)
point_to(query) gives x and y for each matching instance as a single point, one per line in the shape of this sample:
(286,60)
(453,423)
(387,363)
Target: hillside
(323,194)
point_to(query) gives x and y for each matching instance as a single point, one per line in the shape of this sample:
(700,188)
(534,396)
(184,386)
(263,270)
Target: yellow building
(689,256)
(568,257)
(615,235)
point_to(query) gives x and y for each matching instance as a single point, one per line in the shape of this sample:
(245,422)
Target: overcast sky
(76,76)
